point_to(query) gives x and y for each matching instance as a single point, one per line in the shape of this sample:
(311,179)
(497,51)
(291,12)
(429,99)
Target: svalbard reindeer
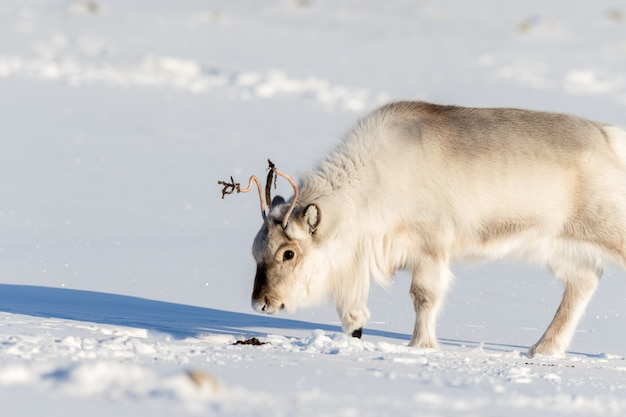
(417,186)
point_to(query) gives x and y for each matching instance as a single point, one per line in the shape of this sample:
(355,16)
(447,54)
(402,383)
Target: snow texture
(125,280)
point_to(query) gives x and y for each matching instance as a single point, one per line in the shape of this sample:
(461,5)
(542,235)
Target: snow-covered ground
(125,279)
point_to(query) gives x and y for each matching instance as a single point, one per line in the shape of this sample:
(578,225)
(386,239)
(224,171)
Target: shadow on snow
(176,320)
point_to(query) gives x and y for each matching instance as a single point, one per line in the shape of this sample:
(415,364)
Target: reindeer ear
(277,200)
(312,217)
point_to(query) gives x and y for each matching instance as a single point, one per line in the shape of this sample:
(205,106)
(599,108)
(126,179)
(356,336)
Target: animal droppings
(252,342)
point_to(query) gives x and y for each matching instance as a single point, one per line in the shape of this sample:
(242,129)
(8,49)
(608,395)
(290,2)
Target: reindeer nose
(259,306)
(264,306)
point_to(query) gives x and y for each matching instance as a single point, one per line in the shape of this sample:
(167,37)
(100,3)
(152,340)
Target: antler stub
(229,187)
(232,186)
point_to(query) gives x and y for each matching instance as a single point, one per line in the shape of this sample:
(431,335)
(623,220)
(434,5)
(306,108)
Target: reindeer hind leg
(580,275)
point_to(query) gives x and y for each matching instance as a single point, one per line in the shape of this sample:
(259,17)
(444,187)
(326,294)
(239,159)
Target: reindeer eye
(288,254)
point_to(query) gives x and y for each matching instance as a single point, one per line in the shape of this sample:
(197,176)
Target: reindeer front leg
(352,308)
(428,287)
(354,319)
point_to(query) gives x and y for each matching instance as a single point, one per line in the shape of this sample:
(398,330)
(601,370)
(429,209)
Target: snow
(125,280)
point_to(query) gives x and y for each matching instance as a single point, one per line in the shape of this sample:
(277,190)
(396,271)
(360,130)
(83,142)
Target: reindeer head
(282,248)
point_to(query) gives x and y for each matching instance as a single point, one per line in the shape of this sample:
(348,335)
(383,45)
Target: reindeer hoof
(358,333)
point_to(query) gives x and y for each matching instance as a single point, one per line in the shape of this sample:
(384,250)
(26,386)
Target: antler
(296,193)
(232,186)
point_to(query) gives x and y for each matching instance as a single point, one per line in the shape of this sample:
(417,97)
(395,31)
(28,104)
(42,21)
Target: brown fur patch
(495,230)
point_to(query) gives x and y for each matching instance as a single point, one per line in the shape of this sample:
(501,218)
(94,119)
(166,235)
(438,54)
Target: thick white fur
(417,186)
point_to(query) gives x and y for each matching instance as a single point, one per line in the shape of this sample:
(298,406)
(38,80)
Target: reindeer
(417,186)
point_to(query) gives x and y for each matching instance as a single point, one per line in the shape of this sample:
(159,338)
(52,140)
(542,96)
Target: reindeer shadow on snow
(180,321)
(177,321)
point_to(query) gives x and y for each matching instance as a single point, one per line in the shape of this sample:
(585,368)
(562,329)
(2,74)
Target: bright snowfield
(125,280)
